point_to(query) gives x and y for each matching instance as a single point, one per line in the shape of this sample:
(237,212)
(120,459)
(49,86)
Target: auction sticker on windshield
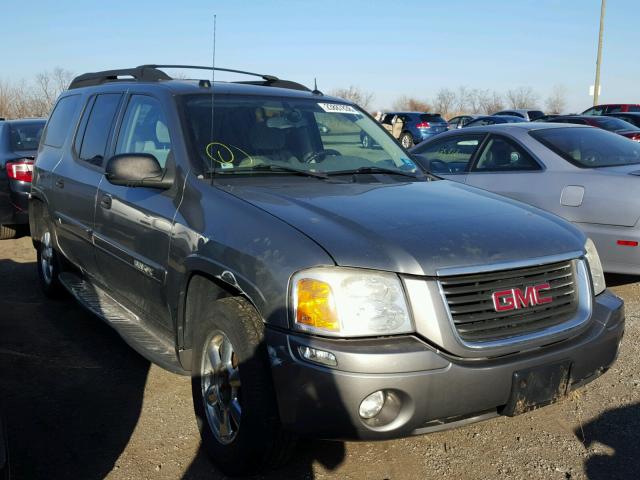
(338,108)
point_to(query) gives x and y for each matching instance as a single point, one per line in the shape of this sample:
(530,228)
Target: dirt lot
(80,404)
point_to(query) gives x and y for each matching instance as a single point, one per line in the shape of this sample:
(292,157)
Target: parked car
(611,124)
(461,120)
(586,175)
(409,127)
(528,114)
(307,285)
(631,117)
(493,120)
(18,144)
(612,108)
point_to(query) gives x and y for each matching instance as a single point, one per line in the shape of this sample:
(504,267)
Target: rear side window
(144,129)
(502,155)
(613,124)
(589,147)
(61,121)
(449,156)
(25,136)
(96,134)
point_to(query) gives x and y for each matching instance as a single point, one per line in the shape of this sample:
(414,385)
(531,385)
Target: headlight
(349,302)
(597,275)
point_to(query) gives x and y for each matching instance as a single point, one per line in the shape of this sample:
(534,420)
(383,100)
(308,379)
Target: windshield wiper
(276,168)
(388,171)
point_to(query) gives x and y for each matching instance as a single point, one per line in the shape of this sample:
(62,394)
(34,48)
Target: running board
(152,345)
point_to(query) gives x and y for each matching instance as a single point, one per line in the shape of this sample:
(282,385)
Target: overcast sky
(385,47)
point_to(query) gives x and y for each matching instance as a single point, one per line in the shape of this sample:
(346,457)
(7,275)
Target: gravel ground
(80,404)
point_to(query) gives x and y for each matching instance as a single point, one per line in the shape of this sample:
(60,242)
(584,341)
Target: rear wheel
(7,232)
(233,396)
(49,266)
(406,140)
(366,141)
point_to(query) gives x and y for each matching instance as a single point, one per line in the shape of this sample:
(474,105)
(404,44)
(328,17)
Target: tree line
(463,100)
(35,98)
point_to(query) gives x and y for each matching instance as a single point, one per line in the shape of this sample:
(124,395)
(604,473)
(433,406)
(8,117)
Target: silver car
(587,175)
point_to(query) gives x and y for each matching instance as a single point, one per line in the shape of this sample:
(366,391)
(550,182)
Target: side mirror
(137,170)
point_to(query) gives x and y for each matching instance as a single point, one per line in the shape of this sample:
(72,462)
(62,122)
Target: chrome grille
(470,302)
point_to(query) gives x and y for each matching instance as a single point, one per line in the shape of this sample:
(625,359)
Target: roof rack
(152,73)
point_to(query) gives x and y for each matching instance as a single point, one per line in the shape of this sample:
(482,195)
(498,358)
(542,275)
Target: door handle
(105,201)
(60,183)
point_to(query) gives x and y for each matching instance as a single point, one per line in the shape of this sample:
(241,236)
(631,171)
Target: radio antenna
(213,81)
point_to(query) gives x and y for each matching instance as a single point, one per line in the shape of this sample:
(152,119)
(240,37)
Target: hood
(413,228)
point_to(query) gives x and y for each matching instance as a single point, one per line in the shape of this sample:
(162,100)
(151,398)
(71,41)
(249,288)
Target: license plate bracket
(536,387)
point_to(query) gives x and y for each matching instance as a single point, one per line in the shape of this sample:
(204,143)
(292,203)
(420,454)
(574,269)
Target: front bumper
(431,390)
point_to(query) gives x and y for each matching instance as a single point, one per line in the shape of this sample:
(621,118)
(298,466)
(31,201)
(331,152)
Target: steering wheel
(441,166)
(319,156)
(591,157)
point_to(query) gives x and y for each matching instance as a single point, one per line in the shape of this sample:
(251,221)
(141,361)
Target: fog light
(318,356)
(371,406)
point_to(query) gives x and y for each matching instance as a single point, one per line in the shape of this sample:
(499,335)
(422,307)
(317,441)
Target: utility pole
(596,87)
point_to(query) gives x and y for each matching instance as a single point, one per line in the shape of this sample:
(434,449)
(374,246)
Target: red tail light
(423,125)
(627,243)
(21,170)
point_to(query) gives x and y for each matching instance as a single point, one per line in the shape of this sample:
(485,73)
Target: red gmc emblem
(515,298)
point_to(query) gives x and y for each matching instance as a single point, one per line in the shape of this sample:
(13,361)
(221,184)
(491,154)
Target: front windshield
(590,147)
(254,134)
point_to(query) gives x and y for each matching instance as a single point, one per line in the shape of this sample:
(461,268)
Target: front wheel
(233,395)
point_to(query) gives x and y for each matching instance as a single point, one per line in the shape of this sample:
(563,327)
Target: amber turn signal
(315,305)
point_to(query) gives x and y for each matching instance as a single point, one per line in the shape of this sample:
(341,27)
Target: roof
(523,126)
(153,76)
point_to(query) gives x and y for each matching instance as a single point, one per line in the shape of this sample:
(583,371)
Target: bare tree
(444,101)
(48,86)
(522,97)
(462,99)
(491,102)
(412,104)
(557,100)
(355,94)
(33,99)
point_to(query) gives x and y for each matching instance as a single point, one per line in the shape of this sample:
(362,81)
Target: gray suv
(309,286)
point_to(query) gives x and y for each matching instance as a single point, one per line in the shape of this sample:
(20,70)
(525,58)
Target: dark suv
(18,144)
(309,286)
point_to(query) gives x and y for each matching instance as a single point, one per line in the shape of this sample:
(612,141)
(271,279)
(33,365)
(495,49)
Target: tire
(7,232)
(406,140)
(255,442)
(49,266)
(365,141)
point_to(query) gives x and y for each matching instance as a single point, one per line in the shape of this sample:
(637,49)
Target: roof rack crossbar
(268,78)
(152,73)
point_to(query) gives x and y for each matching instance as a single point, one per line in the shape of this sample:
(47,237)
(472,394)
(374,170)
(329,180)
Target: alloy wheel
(220,387)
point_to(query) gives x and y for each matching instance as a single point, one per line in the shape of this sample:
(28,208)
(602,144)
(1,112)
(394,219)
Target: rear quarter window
(62,121)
